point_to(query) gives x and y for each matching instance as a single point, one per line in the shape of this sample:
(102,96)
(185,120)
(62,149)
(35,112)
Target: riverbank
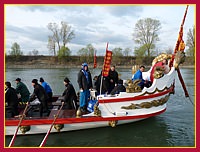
(51,62)
(39,66)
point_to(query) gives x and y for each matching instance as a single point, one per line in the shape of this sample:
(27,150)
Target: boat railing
(166,81)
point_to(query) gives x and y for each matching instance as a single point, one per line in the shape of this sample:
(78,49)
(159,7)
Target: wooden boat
(112,110)
(107,110)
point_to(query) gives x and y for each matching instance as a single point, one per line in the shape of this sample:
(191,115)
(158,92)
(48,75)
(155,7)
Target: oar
(183,85)
(48,132)
(182,82)
(22,117)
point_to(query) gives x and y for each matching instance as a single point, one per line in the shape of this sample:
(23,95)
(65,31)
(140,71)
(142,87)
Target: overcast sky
(92,24)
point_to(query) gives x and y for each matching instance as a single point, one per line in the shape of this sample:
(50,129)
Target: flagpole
(101,82)
(102,72)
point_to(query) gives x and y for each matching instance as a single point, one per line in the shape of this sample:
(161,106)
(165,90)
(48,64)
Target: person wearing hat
(113,78)
(11,100)
(47,88)
(40,93)
(85,83)
(69,95)
(22,89)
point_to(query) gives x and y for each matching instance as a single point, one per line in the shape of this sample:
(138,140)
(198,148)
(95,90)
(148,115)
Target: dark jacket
(69,97)
(12,100)
(40,93)
(105,85)
(82,81)
(114,76)
(23,91)
(117,89)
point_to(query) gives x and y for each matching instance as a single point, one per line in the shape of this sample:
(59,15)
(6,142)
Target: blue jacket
(46,87)
(138,75)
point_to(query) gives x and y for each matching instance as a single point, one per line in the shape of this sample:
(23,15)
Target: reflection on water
(175,127)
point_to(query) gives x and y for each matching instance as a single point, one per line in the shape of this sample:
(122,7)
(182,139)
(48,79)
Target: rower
(11,100)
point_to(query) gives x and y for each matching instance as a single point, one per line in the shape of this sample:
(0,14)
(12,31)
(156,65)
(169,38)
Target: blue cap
(85,64)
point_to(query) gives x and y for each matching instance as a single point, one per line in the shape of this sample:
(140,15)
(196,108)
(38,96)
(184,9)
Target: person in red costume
(163,64)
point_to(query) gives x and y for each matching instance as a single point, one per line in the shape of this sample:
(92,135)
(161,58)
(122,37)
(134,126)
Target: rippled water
(174,128)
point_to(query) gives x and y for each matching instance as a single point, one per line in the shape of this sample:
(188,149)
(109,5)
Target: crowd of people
(43,92)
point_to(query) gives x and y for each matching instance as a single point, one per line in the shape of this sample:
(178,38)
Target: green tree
(117,55)
(191,42)
(16,50)
(140,54)
(146,33)
(87,54)
(63,53)
(60,36)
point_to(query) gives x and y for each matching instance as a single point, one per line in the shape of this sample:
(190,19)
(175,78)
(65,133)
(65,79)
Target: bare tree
(169,50)
(60,36)
(146,33)
(35,52)
(66,33)
(127,51)
(51,45)
(53,27)
(191,41)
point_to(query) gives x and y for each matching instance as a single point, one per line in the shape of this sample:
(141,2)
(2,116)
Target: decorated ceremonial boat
(107,110)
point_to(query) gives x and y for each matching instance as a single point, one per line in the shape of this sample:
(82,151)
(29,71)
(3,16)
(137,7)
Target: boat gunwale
(139,97)
(80,120)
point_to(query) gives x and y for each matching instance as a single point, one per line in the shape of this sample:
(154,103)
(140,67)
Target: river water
(173,128)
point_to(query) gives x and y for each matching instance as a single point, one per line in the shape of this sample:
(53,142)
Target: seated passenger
(11,100)
(95,82)
(138,76)
(40,93)
(69,95)
(22,90)
(119,88)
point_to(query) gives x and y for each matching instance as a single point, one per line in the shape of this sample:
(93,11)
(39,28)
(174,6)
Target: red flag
(95,60)
(107,62)
(180,45)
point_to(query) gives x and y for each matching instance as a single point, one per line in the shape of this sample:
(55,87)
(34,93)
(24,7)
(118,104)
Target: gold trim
(112,123)
(24,129)
(153,103)
(97,112)
(58,127)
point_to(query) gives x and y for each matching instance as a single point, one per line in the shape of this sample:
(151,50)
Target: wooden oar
(20,121)
(183,85)
(48,132)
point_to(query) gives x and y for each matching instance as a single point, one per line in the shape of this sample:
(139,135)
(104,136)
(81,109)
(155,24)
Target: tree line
(145,36)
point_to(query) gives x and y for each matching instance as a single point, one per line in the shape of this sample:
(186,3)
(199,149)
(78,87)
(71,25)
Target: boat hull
(69,124)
